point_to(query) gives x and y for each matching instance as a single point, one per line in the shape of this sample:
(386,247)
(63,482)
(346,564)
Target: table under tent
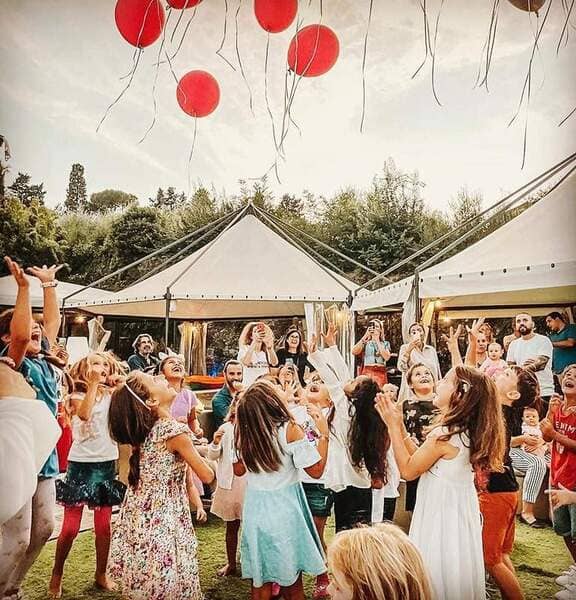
(528,264)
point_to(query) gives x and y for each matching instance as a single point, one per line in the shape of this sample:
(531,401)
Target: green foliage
(466,205)
(29,233)
(108,201)
(168,199)
(25,192)
(76,191)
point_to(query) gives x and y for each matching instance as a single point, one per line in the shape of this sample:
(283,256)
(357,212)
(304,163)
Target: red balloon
(139,21)
(183,3)
(275,15)
(313,51)
(198,93)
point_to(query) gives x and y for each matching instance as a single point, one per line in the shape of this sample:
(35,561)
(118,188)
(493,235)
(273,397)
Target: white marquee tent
(9,289)
(249,271)
(529,261)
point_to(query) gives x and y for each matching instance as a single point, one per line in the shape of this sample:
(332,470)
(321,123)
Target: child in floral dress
(154,546)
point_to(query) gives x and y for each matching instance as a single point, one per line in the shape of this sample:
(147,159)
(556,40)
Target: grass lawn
(539,556)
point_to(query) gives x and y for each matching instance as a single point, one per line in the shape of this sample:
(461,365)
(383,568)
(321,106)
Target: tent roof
(529,260)
(9,289)
(249,271)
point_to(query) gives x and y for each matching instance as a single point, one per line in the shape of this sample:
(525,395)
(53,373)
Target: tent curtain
(193,346)
(97,336)
(409,311)
(343,318)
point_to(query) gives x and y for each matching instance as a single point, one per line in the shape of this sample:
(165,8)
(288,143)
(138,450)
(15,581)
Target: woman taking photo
(375,350)
(292,352)
(256,351)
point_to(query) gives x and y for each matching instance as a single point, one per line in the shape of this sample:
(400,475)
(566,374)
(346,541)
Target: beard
(524,329)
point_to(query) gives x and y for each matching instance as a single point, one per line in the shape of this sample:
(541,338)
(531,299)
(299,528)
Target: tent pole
(418,309)
(168,298)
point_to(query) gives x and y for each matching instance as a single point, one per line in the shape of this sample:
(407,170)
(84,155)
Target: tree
(464,206)
(108,201)
(76,191)
(25,192)
(4,168)
(170,199)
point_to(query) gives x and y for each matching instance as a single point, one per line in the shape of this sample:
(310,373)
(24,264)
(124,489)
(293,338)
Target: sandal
(535,524)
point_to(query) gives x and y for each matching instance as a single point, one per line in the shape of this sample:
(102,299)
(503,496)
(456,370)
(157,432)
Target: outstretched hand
(44,274)
(389,410)
(313,344)
(474,331)
(329,338)
(17,272)
(452,338)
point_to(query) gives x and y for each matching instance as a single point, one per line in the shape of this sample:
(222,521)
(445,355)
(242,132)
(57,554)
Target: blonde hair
(380,562)
(79,370)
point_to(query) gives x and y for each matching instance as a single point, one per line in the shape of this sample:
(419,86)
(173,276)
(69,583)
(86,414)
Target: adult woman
(292,352)
(419,411)
(256,351)
(375,350)
(484,335)
(416,352)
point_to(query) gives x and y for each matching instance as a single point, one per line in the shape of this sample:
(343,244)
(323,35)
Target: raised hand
(17,272)
(44,274)
(390,411)
(474,331)
(319,420)
(329,338)
(313,344)
(452,338)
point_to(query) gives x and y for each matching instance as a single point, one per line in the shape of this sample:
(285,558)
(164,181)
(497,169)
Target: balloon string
(127,75)
(433,70)
(426,37)
(185,32)
(526,88)
(565,28)
(567,117)
(364,66)
(122,92)
(240,59)
(222,42)
(150,127)
(177,24)
(266,92)
(488,48)
(191,153)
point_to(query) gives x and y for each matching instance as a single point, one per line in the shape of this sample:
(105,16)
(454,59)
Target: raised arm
(452,342)
(51,310)
(182,444)
(21,323)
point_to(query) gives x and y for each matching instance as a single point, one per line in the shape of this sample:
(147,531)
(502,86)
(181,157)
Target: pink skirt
(379,374)
(227,504)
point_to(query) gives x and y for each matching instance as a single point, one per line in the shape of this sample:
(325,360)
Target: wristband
(49,284)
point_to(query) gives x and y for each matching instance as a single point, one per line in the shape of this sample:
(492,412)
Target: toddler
(494,364)
(531,426)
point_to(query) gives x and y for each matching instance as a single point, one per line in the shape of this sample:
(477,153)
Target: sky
(61,63)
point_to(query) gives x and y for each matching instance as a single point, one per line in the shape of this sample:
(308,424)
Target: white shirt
(91,438)
(520,350)
(427,356)
(225,454)
(258,366)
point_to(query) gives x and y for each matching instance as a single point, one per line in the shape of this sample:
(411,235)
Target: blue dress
(279,539)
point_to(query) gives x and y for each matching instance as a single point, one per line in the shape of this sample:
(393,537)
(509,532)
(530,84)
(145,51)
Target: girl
(376,351)
(469,434)
(279,540)
(229,495)
(373,563)
(419,411)
(416,352)
(358,455)
(292,353)
(256,351)
(153,551)
(91,473)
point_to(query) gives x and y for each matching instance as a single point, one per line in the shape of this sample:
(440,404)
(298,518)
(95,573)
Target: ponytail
(134,474)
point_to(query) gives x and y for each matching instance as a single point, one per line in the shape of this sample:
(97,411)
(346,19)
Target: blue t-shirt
(40,375)
(562,357)
(372,354)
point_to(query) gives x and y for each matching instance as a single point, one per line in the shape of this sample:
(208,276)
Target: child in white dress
(446,524)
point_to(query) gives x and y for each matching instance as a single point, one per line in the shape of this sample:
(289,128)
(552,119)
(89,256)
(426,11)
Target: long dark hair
(284,341)
(368,438)
(130,421)
(259,415)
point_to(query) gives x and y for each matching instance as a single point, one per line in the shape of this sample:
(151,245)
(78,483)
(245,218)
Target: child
(494,363)
(91,472)
(559,427)
(183,409)
(279,540)
(373,563)
(530,426)
(23,339)
(469,434)
(153,550)
(229,495)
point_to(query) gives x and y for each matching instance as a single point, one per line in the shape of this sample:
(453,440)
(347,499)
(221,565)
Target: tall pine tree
(76,191)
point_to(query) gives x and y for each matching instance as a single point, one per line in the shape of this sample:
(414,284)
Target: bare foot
(104,582)
(55,586)
(227,571)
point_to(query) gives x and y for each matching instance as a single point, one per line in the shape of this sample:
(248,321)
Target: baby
(530,426)
(494,364)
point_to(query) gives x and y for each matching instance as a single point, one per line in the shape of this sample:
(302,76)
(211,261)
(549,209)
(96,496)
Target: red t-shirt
(563,466)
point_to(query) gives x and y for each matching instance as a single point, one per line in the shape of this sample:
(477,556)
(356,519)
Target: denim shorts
(320,499)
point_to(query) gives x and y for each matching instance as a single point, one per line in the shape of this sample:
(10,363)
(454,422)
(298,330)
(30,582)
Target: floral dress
(154,547)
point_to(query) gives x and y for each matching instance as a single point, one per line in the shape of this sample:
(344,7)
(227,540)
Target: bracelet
(49,284)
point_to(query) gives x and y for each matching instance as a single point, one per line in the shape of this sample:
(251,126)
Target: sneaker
(568,577)
(567,594)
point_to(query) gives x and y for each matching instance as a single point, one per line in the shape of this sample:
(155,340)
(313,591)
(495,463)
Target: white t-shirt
(258,366)
(520,350)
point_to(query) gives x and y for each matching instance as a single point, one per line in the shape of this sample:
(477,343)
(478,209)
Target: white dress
(446,526)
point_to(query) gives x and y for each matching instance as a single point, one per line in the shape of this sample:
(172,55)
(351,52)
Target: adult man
(533,351)
(563,338)
(233,373)
(142,359)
